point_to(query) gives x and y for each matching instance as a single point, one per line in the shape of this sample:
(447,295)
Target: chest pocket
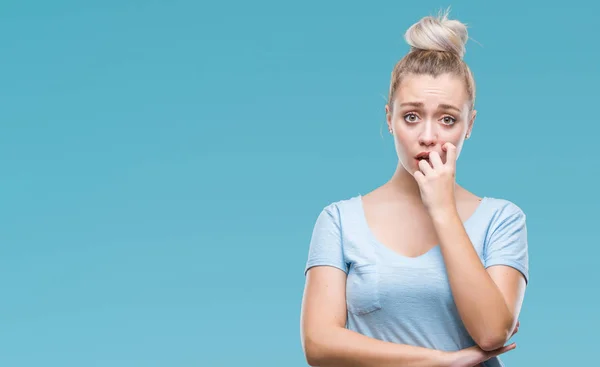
(362,289)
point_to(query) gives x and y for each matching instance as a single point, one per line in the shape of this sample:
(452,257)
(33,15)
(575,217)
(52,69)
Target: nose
(428,136)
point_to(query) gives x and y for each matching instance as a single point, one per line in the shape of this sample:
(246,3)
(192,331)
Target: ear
(471,123)
(388,116)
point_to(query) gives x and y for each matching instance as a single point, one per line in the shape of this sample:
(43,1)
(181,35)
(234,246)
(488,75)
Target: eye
(410,118)
(449,120)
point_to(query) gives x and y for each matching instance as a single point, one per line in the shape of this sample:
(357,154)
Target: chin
(408,168)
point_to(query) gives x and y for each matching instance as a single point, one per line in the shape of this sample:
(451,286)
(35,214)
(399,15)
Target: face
(426,113)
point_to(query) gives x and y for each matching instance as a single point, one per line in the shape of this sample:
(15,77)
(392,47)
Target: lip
(418,161)
(425,156)
(422,155)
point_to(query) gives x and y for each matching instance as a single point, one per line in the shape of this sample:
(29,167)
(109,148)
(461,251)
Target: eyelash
(414,114)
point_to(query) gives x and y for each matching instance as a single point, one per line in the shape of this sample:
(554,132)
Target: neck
(403,185)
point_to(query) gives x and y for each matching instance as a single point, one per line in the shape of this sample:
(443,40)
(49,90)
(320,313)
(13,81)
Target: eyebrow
(420,104)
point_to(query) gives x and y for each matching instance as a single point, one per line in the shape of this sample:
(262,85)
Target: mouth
(422,156)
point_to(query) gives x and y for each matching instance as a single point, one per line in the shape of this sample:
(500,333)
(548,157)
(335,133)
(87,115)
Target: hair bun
(438,34)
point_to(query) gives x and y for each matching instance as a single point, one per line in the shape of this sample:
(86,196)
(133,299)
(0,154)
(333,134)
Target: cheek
(403,151)
(453,137)
(402,142)
(458,146)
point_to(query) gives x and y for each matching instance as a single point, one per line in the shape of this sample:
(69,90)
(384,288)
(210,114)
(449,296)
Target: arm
(488,301)
(326,341)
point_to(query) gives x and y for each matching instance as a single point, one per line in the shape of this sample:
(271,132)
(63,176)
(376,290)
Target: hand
(473,356)
(436,183)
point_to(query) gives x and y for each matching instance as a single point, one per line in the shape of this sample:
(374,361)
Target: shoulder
(501,207)
(342,206)
(341,213)
(503,213)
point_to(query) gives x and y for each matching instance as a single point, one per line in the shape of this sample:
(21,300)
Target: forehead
(445,88)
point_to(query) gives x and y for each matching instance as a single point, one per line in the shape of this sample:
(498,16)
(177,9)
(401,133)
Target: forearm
(480,303)
(339,347)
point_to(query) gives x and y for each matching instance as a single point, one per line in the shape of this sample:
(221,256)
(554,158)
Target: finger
(425,167)
(450,153)
(516,329)
(419,176)
(509,347)
(435,159)
(501,350)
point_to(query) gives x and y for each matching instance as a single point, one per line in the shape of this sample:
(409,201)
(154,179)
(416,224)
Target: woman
(418,272)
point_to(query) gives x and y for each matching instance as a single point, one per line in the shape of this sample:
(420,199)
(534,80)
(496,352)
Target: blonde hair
(437,47)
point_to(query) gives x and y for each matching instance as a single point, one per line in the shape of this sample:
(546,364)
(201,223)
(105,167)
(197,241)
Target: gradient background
(163,163)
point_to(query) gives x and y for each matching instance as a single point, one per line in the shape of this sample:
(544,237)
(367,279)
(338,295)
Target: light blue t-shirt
(408,300)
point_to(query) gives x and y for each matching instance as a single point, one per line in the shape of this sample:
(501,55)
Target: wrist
(445,359)
(443,214)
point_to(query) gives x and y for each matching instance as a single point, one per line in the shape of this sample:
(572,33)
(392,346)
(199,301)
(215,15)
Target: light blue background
(163,163)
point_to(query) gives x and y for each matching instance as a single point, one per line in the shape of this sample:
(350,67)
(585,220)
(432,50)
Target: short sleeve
(326,241)
(508,243)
